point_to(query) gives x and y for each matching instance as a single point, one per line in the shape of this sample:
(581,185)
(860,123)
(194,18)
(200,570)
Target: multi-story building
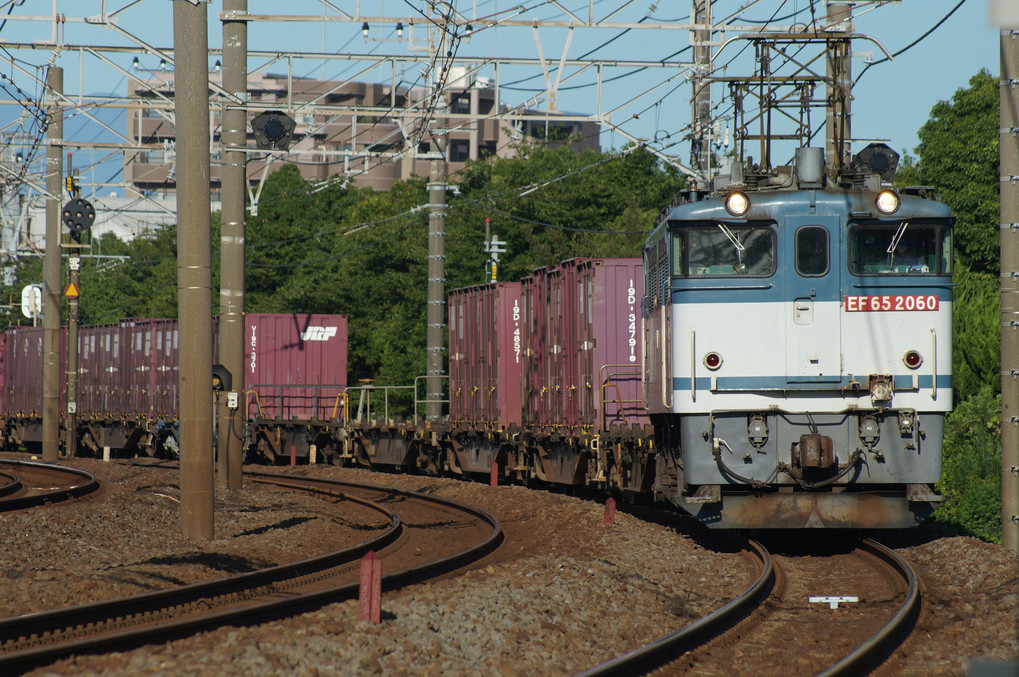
(373,134)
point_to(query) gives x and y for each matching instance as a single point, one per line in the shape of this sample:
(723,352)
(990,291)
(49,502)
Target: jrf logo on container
(318,333)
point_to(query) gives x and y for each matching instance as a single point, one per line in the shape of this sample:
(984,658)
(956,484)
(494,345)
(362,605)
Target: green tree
(971,472)
(975,335)
(364,253)
(958,155)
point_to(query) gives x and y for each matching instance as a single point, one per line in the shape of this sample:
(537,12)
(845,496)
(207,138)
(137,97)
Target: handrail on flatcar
(607,379)
(258,403)
(345,398)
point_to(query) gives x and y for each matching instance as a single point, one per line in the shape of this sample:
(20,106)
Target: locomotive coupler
(814,451)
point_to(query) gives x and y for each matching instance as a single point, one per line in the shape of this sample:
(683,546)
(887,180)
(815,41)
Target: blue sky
(892,100)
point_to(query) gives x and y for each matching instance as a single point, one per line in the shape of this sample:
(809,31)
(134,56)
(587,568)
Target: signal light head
(737,203)
(887,202)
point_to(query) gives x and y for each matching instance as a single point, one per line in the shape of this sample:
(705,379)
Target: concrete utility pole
(700,145)
(230,451)
(838,119)
(51,270)
(194,267)
(1009,205)
(436,287)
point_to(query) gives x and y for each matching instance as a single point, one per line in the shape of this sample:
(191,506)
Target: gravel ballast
(565,591)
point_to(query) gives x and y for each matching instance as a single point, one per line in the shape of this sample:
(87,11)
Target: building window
(462,104)
(459,150)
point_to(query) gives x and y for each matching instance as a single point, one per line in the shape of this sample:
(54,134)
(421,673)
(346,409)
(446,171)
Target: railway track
(25,484)
(778,625)
(424,536)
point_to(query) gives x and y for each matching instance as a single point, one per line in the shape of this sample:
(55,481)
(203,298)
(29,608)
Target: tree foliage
(971,471)
(975,335)
(958,156)
(365,254)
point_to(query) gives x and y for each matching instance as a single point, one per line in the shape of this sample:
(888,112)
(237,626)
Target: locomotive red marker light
(737,203)
(912,359)
(712,361)
(887,202)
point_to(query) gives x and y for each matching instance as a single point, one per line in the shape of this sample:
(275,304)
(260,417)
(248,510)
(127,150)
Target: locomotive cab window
(902,248)
(811,251)
(720,249)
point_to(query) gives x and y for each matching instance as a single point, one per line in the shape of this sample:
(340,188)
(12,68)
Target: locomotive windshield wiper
(898,236)
(735,242)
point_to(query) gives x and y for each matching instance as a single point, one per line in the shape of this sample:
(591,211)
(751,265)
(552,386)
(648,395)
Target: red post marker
(494,479)
(293,455)
(610,511)
(370,597)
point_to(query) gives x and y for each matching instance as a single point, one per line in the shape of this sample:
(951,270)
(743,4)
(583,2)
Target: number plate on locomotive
(895,302)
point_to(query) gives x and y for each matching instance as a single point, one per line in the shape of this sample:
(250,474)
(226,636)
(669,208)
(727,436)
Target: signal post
(79,216)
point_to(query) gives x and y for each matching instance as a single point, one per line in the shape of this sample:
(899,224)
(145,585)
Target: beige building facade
(369,133)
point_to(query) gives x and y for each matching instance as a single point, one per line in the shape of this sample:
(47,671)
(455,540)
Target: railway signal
(78,214)
(273,130)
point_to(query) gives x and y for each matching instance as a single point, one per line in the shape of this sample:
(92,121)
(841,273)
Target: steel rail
(652,656)
(409,574)
(89,485)
(58,621)
(11,485)
(50,624)
(879,647)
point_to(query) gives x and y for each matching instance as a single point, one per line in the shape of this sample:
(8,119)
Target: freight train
(779,358)
(127,390)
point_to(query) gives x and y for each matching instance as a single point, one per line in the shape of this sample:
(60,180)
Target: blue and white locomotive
(798,346)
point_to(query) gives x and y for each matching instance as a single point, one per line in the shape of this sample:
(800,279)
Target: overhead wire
(912,44)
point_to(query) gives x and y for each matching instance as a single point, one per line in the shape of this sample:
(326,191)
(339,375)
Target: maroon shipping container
(538,352)
(24,370)
(296,365)
(101,372)
(610,347)
(583,347)
(155,360)
(485,354)
(128,370)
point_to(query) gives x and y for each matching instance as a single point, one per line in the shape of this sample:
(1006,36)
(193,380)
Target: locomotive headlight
(887,202)
(737,203)
(912,359)
(713,361)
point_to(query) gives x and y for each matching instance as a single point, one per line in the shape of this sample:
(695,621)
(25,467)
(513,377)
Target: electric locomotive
(798,346)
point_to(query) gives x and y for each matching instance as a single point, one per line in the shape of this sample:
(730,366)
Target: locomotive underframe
(750,470)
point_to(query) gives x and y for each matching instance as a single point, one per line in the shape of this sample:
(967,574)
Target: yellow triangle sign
(72,291)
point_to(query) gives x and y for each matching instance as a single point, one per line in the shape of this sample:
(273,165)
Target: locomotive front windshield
(720,249)
(903,248)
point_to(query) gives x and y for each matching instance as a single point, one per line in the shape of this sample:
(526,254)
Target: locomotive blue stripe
(901,382)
